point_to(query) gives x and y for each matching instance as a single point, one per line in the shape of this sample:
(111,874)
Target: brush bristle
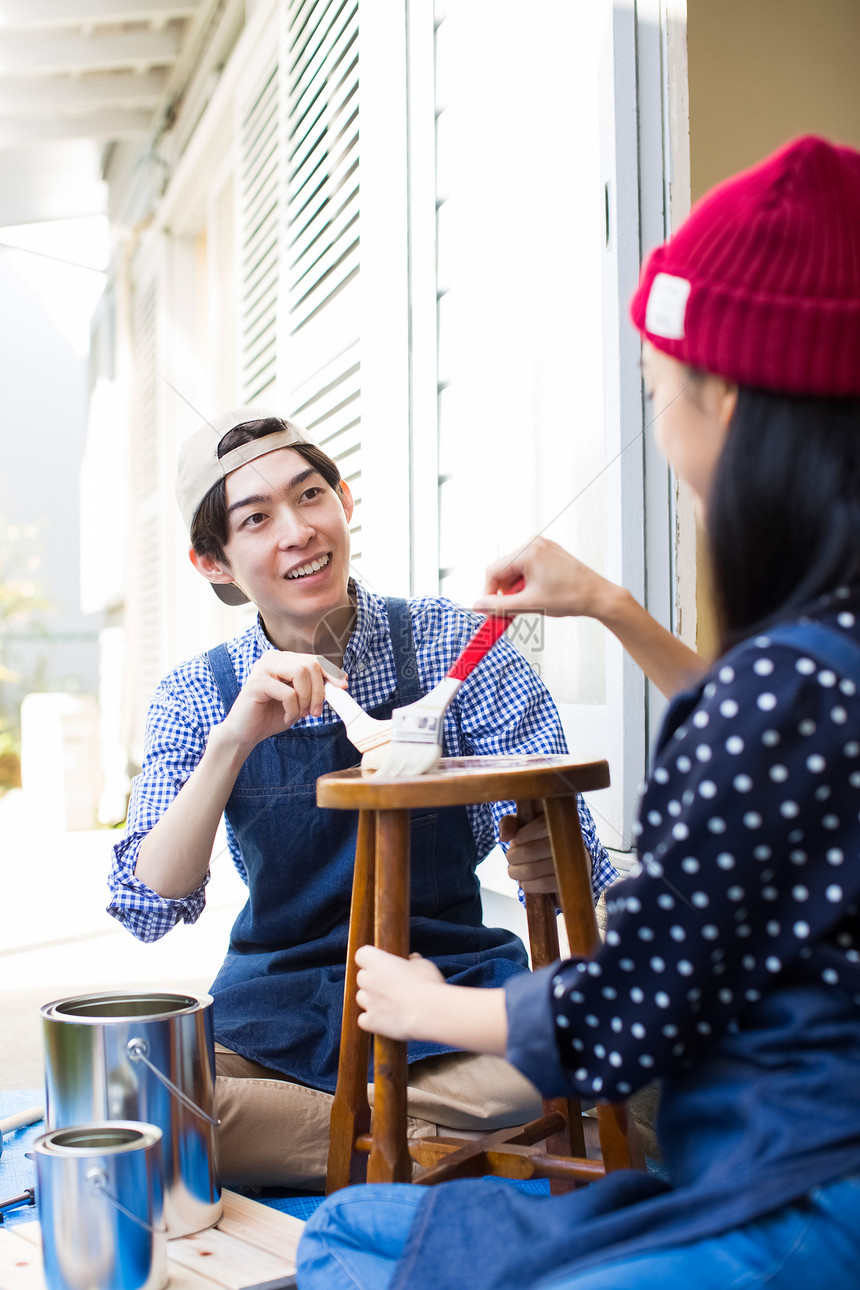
(403,760)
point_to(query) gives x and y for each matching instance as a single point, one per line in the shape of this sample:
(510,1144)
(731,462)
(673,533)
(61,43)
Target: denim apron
(769,1113)
(279,993)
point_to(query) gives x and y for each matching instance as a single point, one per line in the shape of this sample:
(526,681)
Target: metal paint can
(142,1057)
(99,1188)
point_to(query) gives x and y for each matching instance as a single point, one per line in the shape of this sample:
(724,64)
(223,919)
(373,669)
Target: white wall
(520,347)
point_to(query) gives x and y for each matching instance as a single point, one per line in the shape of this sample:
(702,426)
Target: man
(244,731)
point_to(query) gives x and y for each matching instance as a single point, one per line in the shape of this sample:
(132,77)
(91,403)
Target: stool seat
(464,781)
(380,913)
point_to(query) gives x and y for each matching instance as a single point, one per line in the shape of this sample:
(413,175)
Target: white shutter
(322,179)
(145,590)
(329,408)
(259,193)
(320,359)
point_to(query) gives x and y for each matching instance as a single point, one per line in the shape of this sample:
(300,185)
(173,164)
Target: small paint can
(145,1057)
(101,1207)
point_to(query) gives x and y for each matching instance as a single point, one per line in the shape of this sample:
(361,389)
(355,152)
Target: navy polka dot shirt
(749,837)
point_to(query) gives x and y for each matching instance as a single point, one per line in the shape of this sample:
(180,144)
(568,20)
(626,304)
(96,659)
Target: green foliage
(22,606)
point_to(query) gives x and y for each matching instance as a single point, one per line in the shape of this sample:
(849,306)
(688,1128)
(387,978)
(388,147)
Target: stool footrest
(506,1159)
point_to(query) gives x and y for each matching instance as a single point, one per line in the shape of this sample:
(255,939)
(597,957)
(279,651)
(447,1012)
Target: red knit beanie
(761,283)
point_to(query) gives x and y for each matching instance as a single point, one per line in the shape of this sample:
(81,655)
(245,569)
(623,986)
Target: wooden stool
(379,913)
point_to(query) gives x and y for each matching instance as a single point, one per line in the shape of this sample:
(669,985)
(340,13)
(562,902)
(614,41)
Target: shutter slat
(259,205)
(262,185)
(263,263)
(337,277)
(261,135)
(328,82)
(331,147)
(328,15)
(262,312)
(329,251)
(327,214)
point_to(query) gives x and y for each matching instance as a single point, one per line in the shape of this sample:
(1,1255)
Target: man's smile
(312,566)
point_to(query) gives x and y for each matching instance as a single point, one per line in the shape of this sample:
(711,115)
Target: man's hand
(529,854)
(281,689)
(390,990)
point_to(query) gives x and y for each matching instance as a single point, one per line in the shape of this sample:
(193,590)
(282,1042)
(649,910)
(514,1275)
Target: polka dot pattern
(753,809)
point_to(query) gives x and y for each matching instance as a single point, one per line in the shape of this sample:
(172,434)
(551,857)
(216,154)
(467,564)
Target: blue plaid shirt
(503,708)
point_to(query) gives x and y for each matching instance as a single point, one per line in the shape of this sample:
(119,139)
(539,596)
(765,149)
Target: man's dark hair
(784,509)
(210,529)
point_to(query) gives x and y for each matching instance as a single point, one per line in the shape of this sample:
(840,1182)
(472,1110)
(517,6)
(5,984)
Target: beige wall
(762,72)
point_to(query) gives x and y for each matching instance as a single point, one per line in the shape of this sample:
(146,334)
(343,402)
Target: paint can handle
(97,1179)
(138,1051)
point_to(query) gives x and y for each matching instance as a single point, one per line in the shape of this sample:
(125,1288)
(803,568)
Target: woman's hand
(410,999)
(555,582)
(390,990)
(281,689)
(560,585)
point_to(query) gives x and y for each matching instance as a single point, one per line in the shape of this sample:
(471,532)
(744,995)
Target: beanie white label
(667,306)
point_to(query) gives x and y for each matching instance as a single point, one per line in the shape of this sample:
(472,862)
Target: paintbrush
(416,731)
(362,730)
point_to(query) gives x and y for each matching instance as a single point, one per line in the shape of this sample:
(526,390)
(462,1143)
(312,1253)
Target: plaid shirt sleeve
(503,708)
(174,743)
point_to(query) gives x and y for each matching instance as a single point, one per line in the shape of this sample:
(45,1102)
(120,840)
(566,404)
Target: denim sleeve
(532,1046)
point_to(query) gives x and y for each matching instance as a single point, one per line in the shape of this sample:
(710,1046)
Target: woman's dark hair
(784,509)
(210,529)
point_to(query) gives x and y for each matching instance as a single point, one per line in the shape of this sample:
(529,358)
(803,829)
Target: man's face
(288,538)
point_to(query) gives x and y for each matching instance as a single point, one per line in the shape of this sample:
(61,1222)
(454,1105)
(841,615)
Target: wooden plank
(180,1278)
(228,1260)
(261,1226)
(251,1243)
(30,1232)
(21,1263)
(20,1259)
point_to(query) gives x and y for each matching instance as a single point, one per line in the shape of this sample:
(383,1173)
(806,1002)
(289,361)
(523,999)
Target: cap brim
(229,593)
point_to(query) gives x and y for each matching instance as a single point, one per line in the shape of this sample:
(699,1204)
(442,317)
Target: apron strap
(403,648)
(829,646)
(225,677)
(402,644)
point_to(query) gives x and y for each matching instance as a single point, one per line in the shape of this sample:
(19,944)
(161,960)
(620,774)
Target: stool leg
(350,1112)
(389,1157)
(620,1143)
(619,1138)
(543,940)
(572,871)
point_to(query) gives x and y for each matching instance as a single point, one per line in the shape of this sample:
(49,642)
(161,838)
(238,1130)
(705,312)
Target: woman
(731,965)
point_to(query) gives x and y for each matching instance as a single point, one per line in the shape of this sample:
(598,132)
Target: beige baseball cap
(199,467)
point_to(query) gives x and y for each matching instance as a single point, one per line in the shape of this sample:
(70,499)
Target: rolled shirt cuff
(532,1045)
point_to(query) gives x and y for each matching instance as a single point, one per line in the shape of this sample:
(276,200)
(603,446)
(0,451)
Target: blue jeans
(355,1238)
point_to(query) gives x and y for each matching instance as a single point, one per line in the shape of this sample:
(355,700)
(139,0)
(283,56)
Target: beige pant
(275,1133)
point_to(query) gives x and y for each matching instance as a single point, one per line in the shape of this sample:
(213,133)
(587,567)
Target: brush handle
(483,640)
(344,704)
(17,1121)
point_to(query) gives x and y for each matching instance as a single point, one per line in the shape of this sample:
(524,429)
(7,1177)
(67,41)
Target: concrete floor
(56,939)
